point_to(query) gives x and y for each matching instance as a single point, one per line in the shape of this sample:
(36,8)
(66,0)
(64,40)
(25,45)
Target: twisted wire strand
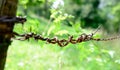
(106,39)
(61,42)
(55,40)
(10,19)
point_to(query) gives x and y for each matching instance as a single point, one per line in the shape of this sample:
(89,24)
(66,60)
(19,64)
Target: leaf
(61,32)
(76,26)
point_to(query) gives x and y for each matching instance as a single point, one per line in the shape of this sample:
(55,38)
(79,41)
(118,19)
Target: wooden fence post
(7,8)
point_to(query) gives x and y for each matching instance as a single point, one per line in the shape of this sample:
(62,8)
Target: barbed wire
(55,40)
(61,42)
(12,19)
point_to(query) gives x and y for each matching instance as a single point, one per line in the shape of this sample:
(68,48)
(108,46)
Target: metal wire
(61,42)
(10,19)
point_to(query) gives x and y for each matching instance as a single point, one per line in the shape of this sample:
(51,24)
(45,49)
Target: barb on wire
(96,30)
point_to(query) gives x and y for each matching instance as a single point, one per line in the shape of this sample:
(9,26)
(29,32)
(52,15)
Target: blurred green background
(59,18)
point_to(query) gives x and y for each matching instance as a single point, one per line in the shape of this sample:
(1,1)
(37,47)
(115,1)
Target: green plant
(32,55)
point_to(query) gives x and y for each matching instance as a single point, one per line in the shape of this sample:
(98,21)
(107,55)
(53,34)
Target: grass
(84,56)
(33,55)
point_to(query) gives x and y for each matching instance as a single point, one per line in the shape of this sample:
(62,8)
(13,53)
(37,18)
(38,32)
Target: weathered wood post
(7,8)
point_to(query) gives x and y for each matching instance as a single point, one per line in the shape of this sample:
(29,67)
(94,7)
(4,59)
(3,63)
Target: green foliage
(56,24)
(33,55)
(90,13)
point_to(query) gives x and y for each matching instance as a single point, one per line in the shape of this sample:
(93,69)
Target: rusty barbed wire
(61,42)
(55,40)
(12,19)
